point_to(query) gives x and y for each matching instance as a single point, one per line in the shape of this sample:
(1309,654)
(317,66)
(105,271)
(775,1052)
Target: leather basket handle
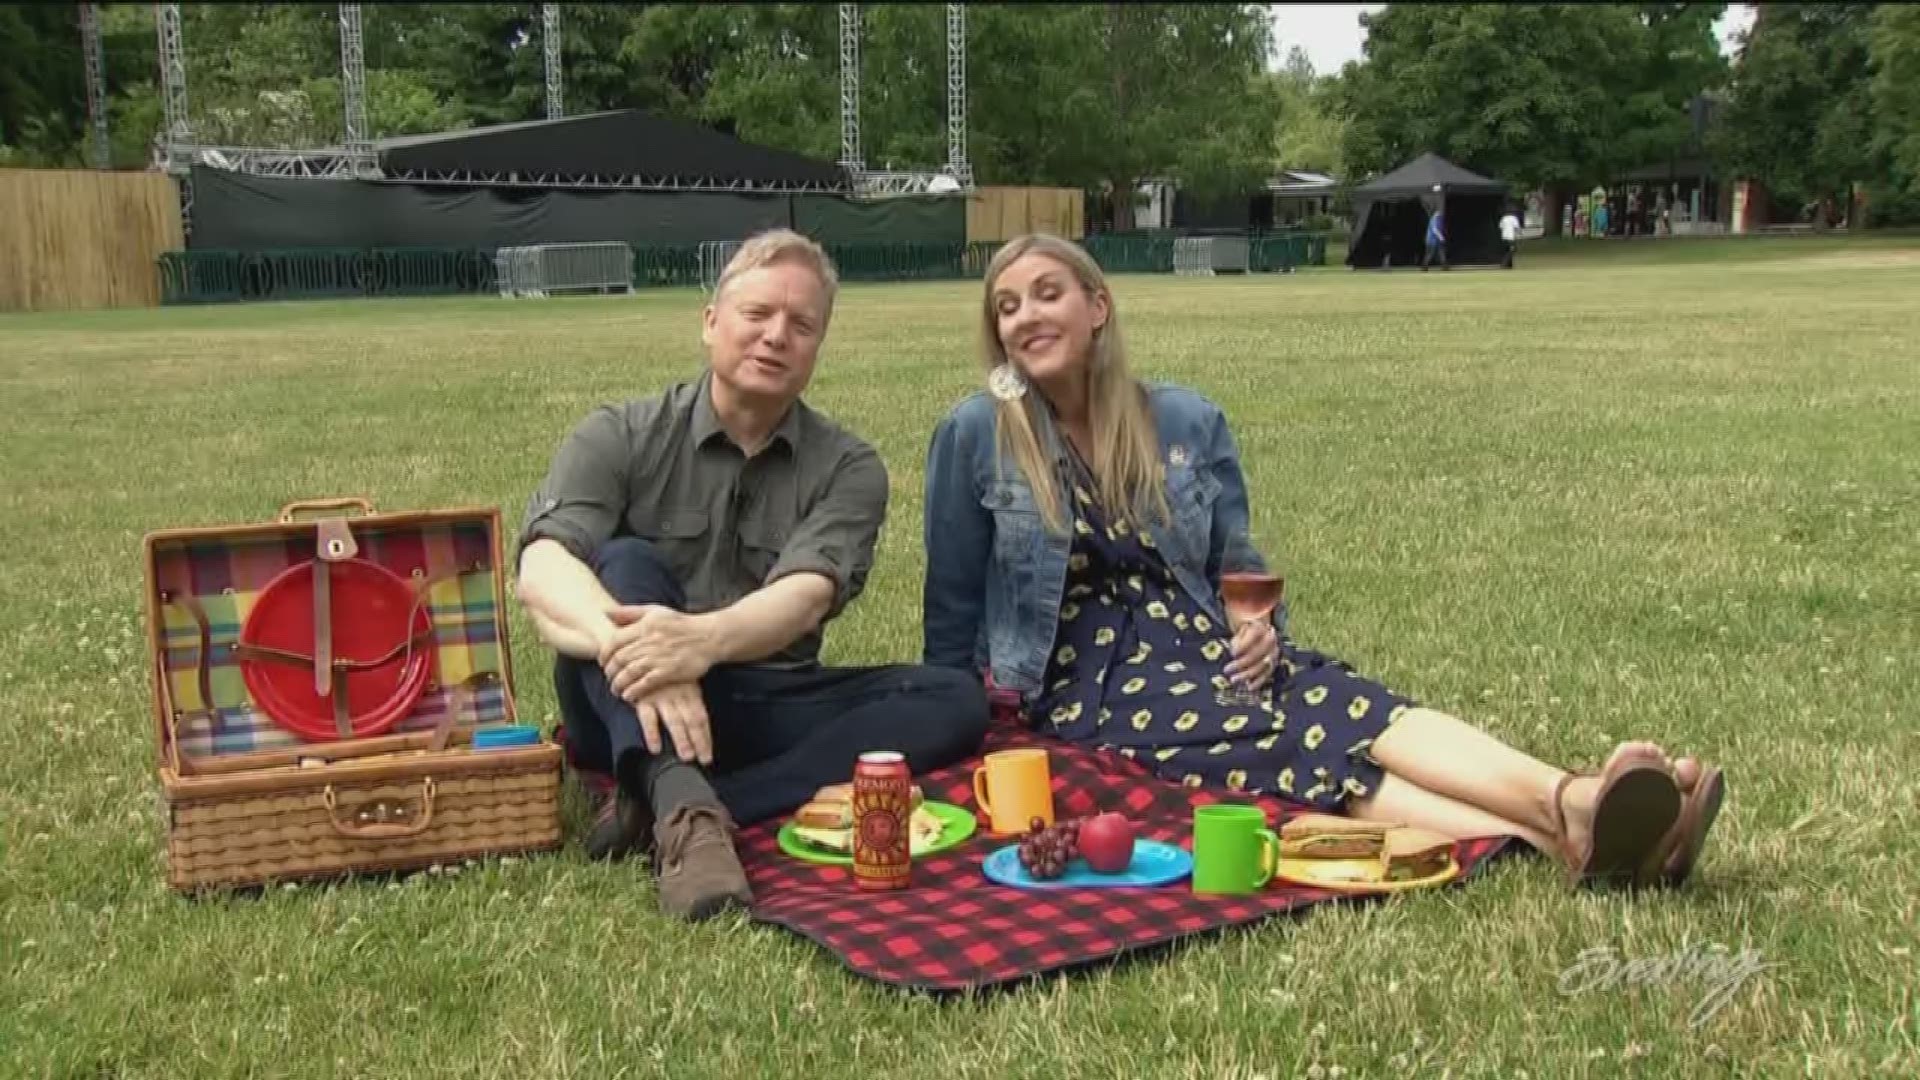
(397,829)
(300,506)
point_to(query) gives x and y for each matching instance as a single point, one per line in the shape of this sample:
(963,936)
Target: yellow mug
(1021,789)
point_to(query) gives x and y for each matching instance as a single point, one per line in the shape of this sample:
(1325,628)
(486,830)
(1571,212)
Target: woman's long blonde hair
(1128,483)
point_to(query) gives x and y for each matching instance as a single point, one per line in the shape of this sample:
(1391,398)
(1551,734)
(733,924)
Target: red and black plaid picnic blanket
(956,929)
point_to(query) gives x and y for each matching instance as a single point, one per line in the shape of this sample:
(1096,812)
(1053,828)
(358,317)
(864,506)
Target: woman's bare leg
(1407,803)
(1449,757)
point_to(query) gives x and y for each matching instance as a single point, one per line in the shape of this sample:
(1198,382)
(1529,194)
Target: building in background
(1290,199)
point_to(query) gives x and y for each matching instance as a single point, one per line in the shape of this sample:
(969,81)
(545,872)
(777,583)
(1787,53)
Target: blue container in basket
(505,736)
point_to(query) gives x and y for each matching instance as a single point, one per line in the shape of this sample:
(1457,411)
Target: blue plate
(1154,863)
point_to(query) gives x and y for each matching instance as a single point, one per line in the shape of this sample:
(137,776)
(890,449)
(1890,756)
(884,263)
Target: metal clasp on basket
(381,819)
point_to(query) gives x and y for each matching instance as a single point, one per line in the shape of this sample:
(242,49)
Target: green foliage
(1801,111)
(1557,95)
(769,74)
(1084,95)
(1311,128)
(1895,93)
(1680,58)
(43,95)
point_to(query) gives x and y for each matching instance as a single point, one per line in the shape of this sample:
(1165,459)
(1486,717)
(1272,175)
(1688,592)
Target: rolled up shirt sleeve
(583,497)
(836,538)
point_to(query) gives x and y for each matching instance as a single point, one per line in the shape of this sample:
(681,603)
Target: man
(1436,242)
(1509,236)
(682,556)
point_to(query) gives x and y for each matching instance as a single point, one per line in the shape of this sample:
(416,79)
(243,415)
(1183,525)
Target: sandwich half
(827,821)
(1324,836)
(1410,854)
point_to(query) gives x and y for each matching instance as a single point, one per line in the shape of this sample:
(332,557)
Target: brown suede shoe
(700,876)
(622,827)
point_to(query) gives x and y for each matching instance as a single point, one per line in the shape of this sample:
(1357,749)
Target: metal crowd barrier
(1209,255)
(214,276)
(714,257)
(541,270)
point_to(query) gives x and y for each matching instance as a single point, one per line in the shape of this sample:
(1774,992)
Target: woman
(1077,524)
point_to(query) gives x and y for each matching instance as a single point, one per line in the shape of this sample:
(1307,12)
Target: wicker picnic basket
(294,740)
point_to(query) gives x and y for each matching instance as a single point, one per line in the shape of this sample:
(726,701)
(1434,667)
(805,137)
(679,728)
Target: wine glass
(1249,592)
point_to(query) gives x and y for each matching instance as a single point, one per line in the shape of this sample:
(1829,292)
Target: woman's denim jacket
(996,574)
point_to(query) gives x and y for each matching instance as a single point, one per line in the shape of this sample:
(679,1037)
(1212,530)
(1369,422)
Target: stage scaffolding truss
(176,151)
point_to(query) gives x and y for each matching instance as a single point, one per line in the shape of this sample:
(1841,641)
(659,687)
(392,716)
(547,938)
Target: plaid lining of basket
(226,576)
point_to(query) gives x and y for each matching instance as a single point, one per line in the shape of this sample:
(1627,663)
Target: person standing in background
(1436,241)
(1509,237)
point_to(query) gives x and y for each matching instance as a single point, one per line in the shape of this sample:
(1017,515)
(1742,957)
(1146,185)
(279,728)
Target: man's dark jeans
(778,735)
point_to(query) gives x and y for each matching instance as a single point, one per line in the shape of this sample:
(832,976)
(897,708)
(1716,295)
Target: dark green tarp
(238,212)
(235,211)
(935,219)
(621,142)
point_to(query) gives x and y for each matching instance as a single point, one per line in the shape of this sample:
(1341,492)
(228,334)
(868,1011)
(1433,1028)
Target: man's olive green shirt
(663,469)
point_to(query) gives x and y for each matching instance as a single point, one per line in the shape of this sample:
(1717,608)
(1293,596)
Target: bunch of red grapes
(1045,852)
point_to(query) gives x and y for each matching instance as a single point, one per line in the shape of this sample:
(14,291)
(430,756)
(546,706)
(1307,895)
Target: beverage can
(882,806)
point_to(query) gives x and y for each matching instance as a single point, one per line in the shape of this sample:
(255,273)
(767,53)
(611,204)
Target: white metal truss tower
(173,82)
(353,84)
(957,166)
(99,151)
(850,158)
(550,41)
(958,172)
(176,141)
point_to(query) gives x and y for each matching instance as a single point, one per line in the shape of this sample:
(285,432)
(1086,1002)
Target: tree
(1184,99)
(1079,95)
(1681,58)
(1559,96)
(1310,129)
(1032,84)
(1895,92)
(767,74)
(1800,110)
(1090,95)
(42,90)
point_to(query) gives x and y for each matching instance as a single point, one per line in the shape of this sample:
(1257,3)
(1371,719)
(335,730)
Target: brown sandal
(1680,850)
(1634,813)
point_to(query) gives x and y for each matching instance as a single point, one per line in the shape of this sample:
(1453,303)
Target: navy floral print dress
(1138,668)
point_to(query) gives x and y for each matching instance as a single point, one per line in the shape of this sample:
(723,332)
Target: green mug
(1233,850)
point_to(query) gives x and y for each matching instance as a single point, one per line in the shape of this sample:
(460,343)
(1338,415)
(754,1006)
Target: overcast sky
(1331,33)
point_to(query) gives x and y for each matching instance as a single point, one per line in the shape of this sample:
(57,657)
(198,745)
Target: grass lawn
(1664,491)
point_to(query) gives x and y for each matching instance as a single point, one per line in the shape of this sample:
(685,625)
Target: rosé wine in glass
(1250,595)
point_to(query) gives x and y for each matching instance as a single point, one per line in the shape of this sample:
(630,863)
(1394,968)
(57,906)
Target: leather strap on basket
(341,667)
(202,672)
(170,717)
(461,697)
(402,652)
(333,542)
(294,509)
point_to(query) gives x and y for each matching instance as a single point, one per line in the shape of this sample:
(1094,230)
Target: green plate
(957,822)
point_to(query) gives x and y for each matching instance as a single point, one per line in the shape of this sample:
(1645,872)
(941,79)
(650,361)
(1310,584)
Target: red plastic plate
(370,608)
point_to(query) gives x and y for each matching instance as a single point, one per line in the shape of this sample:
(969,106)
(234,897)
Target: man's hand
(1256,652)
(682,712)
(654,647)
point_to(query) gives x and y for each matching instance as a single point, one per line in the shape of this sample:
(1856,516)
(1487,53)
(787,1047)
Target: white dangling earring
(1006,382)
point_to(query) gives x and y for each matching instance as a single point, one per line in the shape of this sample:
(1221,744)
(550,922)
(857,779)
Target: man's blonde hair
(777,246)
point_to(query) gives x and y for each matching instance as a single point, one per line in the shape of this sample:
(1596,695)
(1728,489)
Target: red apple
(1106,842)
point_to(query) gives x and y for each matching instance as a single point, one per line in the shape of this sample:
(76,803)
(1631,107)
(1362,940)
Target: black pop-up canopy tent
(1390,215)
